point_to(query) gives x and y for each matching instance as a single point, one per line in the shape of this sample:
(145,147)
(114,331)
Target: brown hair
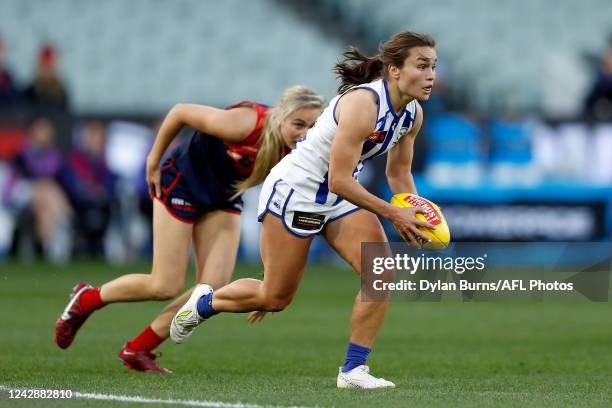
(271,140)
(357,68)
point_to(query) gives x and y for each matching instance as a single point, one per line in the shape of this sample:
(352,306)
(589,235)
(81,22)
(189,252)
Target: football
(440,237)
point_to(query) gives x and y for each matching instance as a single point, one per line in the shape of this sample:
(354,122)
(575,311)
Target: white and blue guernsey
(306,168)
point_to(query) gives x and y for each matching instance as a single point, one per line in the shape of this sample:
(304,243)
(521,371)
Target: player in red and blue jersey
(196,195)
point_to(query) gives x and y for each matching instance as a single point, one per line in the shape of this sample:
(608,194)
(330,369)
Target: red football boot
(73,317)
(141,361)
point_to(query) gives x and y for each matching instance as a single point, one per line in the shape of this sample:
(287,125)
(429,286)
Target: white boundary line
(143,400)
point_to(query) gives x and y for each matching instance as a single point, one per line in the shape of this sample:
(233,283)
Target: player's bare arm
(356,114)
(399,160)
(230,125)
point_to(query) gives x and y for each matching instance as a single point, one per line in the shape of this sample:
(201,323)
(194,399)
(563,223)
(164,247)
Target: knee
(276,303)
(163,291)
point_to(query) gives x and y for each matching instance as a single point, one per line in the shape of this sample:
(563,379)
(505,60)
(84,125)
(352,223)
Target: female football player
(315,190)
(195,199)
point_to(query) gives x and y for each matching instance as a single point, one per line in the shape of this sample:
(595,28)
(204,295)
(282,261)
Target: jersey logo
(403,131)
(244,158)
(377,136)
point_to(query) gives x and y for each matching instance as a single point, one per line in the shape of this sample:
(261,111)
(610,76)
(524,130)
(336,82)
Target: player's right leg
(171,240)
(216,236)
(345,236)
(284,257)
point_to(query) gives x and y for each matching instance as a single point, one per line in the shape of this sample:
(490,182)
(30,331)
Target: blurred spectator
(47,91)
(36,194)
(90,187)
(599,100)
(8,95)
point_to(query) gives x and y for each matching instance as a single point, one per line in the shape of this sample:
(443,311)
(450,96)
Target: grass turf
(439,354)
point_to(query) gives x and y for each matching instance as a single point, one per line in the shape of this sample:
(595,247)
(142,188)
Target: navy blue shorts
(180,202)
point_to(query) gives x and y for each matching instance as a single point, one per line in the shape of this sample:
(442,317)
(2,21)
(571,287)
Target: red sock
(145,341)
(90,300)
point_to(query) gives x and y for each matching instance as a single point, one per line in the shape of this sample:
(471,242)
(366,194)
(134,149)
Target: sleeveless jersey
(306,168)
(210,167)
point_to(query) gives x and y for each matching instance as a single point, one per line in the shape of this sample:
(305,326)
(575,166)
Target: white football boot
(360,377)
(187,318)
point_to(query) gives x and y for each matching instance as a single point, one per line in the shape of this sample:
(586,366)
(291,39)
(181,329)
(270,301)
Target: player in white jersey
(306,170)
(314,190)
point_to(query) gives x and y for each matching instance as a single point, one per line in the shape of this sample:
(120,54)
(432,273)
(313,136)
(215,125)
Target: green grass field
(439,354)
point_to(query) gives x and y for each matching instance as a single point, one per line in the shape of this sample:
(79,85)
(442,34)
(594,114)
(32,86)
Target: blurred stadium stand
(506,140)
(143,56)
(520,56)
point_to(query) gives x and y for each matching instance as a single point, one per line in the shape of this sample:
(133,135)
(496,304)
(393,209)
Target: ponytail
(357,69)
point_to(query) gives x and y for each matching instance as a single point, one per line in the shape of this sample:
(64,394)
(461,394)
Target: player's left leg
(171,242)
(345,236)
(216,237)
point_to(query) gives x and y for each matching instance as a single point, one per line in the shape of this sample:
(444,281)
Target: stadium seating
(134,57)
(116,57)
(502,57)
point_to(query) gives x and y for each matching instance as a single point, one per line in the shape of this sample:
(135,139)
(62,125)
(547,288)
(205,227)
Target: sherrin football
(440,237)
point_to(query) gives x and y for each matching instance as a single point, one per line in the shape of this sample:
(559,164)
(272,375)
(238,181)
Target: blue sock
(205,309)
(355,356)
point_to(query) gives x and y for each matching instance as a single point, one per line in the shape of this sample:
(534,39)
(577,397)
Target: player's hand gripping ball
(440,237)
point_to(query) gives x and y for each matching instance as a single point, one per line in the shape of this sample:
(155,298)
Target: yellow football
(440,237)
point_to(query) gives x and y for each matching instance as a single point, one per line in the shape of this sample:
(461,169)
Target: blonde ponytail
(271,140)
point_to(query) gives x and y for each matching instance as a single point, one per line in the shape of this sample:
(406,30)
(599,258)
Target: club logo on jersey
(403,131)
(307,221)
(377,136)
(243,157)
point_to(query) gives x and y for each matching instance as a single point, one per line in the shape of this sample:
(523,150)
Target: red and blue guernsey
(201,173)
